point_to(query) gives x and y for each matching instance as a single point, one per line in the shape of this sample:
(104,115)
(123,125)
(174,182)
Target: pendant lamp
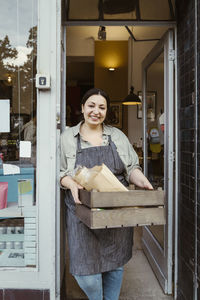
(131,99)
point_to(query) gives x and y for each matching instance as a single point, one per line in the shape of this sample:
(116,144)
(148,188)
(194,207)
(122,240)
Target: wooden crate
(121,209)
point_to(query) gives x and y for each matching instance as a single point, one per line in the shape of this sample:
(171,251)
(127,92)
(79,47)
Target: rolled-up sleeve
(133,161)
(63,159)
(126,152)
(67,154)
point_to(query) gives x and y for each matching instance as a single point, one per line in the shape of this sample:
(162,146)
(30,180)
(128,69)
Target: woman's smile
(95,118)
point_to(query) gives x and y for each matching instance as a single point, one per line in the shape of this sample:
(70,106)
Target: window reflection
(18,43)
(18,106)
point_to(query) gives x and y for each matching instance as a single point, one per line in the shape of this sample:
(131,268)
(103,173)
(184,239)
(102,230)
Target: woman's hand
(138,178)
(73,186)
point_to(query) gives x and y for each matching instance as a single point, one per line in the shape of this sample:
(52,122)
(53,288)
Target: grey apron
(93,251)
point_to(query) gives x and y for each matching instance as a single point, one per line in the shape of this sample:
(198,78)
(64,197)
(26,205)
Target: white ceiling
(116,32)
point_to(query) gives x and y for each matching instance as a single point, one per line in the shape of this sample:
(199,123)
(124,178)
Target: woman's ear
(82,110)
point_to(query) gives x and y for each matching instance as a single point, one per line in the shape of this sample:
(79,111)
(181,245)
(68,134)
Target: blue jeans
(101,286)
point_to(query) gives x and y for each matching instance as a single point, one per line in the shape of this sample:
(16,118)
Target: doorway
(157,97)
(143,38)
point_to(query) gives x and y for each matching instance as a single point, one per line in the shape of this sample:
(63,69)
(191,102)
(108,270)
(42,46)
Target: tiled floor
(139,281)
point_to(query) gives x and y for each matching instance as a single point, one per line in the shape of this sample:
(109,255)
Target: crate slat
(120,217)
(121,199)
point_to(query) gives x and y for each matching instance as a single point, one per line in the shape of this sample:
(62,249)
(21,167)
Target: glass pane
(116,10)
(155,127)
(155,9)
(87,9)
(18,105)
(122,16)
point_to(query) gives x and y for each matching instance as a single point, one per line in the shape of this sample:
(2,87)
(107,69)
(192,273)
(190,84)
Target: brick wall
(198,149)
(186,99)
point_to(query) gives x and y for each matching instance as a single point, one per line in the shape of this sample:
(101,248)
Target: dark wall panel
(186,101)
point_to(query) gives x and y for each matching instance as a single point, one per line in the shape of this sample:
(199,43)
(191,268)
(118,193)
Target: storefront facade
(31,251)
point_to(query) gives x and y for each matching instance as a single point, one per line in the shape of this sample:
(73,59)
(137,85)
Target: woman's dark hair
(95,91)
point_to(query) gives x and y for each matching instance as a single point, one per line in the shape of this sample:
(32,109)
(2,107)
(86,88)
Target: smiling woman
(90,143)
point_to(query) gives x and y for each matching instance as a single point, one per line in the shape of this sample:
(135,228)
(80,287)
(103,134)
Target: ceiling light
(9,79)
(132,99)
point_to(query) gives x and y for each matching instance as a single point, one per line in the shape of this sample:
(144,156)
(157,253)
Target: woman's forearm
(67,181)
(72,185)
(138,178)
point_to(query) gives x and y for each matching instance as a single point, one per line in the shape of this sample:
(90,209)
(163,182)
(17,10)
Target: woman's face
(94,110)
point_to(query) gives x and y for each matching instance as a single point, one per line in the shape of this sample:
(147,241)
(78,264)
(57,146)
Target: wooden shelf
(12,210)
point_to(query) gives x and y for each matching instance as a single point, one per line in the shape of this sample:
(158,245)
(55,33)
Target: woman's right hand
(73,186)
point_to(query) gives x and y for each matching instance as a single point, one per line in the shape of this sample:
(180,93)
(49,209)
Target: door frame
(161,259)
(172,25)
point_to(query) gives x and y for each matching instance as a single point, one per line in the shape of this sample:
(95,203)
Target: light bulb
(9,79)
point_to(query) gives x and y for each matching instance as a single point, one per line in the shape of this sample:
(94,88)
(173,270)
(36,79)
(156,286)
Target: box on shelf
(20,186)
(18,240)
(121,209)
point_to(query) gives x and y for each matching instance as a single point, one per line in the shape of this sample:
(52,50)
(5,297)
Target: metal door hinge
(172,156)
(62,45)
(171,54)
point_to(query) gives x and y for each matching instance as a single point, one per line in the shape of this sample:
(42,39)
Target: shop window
(18,127)
(119,10)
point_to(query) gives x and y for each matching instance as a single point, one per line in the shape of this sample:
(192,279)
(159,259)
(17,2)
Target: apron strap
(78,143)
(109,139)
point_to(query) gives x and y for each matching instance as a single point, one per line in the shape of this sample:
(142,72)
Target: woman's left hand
(138,178)
(147,185)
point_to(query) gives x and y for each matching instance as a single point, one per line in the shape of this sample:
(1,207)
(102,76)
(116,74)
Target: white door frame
(161,259)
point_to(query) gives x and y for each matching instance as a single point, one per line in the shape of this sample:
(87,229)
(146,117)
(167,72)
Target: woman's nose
(96,110)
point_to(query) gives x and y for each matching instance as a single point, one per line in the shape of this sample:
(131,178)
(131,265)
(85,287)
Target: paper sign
(4,115)
(25,192)
(24,186)
(25,149)
(9,169)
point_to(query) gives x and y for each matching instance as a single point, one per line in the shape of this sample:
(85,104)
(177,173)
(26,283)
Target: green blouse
(69,145)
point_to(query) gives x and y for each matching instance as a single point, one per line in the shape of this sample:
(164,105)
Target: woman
(97,256)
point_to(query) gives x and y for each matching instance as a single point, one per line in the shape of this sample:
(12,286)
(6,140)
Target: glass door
(158,123)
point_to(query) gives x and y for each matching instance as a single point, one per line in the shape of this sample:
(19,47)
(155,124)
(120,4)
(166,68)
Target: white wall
(80,39)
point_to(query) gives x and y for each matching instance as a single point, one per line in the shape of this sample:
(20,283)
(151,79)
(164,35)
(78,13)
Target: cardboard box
(121,209)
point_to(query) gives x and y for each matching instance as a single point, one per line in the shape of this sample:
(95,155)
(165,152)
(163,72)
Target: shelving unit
(27,255)
(12,211)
